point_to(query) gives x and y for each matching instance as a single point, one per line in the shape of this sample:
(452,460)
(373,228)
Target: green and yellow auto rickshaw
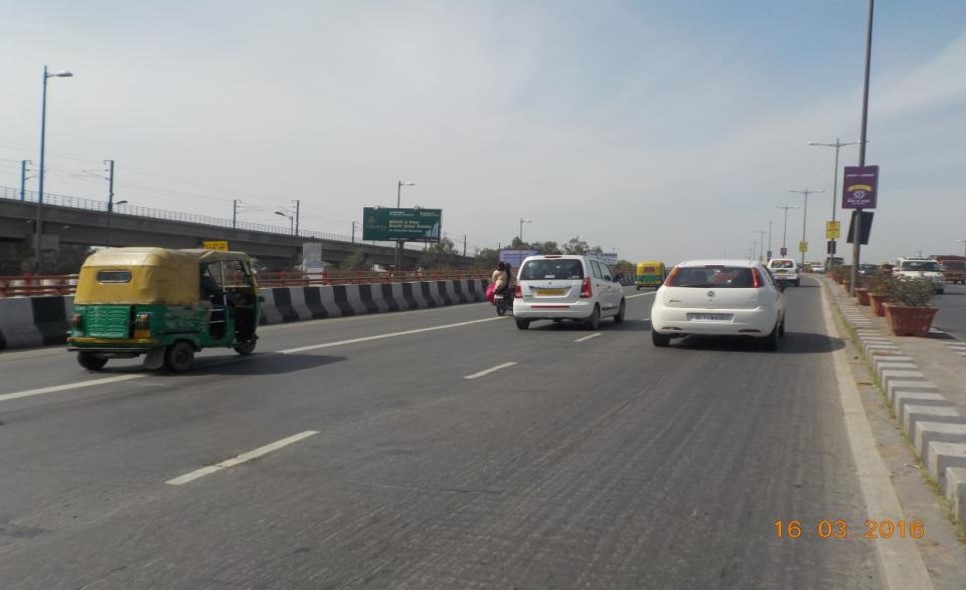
(166,304)
(650,273)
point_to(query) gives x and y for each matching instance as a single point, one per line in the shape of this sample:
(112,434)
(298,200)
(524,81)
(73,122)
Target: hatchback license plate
(709,317)
(551,291)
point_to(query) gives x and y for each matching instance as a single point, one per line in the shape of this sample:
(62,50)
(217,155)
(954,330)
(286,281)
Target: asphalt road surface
(595,460)
(951,316)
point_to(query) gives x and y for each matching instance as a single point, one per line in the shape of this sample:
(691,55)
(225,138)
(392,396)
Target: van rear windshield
(719,277)
(781,264)
(113,276)
(535,270)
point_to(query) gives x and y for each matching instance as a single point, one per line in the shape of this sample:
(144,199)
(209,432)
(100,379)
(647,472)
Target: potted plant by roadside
(880,285)
(862,291)
(907,308)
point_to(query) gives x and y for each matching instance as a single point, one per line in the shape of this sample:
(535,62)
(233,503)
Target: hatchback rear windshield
(781,264)
(536,270)
(719,277)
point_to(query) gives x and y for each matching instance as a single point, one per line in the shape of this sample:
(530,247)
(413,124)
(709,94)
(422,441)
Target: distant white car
(566,287)
(920,268)
(719,298)
(785,269)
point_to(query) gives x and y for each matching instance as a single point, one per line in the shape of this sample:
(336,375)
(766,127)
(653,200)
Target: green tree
(549,248)
(440,255)
(576,246)
(355,261)
(486,258)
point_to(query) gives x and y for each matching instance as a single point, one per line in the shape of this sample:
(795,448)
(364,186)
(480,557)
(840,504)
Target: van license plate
(551,291)
(709,317)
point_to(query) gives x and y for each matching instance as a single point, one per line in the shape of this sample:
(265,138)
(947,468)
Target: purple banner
(859,187)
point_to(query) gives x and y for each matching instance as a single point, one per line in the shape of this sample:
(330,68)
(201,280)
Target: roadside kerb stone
(942,456)
(893,388)
(918,398)
(956,491)
(913,413)
(927,432)
(880,367)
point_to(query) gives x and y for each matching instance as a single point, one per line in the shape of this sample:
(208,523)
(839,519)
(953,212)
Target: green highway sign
(411,225)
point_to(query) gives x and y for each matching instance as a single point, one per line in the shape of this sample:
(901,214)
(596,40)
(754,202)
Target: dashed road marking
(588,337)
(239,459)
(69,386)
(382,336)
(490,370)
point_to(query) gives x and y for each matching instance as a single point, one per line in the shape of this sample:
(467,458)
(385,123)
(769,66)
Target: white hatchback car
(566,287)
(719,298)
(785,269)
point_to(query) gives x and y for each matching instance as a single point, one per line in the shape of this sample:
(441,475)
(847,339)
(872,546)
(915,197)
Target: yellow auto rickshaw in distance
(650,273)
(166,304)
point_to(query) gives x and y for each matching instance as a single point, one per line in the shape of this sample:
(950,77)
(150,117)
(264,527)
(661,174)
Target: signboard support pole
(856,243)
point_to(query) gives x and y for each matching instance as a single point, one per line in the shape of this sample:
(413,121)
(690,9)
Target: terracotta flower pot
(877,300)
(909,321)
(863,296)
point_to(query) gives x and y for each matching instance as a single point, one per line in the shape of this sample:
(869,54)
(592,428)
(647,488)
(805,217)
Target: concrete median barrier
(28,322)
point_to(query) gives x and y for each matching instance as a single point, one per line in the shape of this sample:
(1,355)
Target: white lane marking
(639,295)
(594,335)
(490,370)
(381,336)
(239,459)
(56,388)
(900,562)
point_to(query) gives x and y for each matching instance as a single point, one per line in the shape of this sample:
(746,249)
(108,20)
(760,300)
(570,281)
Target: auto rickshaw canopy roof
(657,265)
(145,275)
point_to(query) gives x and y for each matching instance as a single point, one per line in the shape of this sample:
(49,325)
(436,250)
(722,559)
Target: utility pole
(464,245)
(769,239)
(805,193)
(353,238)
(297,203)
(761,250)
(23,178)
(857,213)
(234,213)
(110,185)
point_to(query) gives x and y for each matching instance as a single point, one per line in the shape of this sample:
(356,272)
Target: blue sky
(663,129)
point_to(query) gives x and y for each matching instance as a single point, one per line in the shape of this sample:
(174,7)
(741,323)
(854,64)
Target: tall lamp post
(857,214)
(38,228)
(835,185)
(761,243)
(769,238)
(399,243)
(785,226)
(522,221)
(805,193)
(110,212)
(291,220)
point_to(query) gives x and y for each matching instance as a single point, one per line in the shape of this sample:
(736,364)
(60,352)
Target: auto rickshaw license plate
(551,291)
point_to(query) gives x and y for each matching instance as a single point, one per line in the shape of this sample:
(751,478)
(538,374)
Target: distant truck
(953,268)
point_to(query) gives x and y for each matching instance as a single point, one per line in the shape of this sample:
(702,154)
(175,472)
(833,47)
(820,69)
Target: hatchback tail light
(518,291)
(585,291)
(757,281)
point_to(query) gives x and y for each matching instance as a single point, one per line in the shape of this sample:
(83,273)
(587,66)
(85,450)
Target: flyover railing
(13,194)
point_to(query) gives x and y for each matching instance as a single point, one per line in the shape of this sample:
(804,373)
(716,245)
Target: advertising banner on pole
(859,187)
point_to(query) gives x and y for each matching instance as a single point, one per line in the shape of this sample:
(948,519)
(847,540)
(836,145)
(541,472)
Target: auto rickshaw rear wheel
(179,357)
(246,348)
(91,362)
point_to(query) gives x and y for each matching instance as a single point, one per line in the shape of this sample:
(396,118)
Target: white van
(785,270)
(566,287)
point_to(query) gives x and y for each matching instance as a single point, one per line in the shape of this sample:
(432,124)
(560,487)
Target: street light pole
(522,221)
(38,228)
(769,238)
(857,214)
(761,243)
(805,193)
(785,227)
(399,243)
(835,183)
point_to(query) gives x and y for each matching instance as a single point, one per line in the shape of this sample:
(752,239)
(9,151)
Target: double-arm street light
(785,226)
(835,182)
(522,221)
(38,227)
(805,193)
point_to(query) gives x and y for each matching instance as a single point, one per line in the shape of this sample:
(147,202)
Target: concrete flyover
(71,220)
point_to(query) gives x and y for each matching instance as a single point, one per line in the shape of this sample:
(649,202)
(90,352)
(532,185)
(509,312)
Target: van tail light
(585,291)
(518,291)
